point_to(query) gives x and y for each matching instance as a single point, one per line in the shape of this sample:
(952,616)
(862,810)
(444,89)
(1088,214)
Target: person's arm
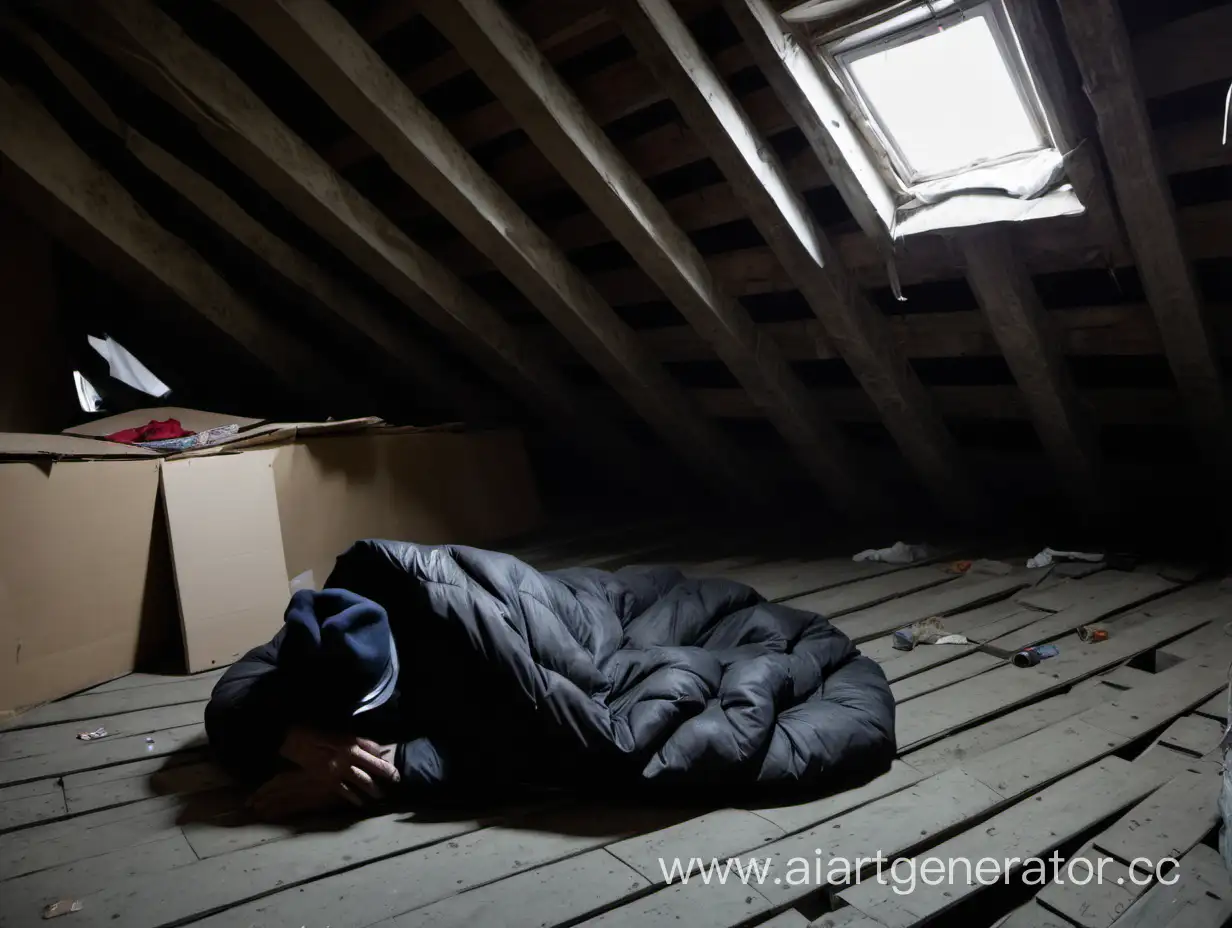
(249,714)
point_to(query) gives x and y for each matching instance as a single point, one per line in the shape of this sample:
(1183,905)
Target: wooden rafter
(406,360)
(34,144)
(796,77)
(1033,353)
(234,120)
(855,326)
(352,79)
(1105,57)
(1082,167)
(508,62)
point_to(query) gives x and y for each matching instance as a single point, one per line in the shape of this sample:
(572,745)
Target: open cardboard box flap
(195,420)
(25,446)
(253,432)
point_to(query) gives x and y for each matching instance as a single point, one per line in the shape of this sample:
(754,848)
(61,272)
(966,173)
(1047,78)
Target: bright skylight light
(947,99)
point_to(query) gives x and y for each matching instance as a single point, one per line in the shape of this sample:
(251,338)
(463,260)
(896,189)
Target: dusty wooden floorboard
(1124,591)
(962,594)
(145,867)
(1200,896)
(935,714)
(863,593)
(1029,829)
(103,753)
(101,705)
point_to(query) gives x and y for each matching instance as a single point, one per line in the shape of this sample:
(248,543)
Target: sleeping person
(432,671)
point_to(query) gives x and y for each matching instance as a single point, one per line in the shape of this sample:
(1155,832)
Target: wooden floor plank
(133,680)
(32,742)
(34,849)
(798,816)
(1202,878)
(1124,591)
(1214,708)
(550,895)
(1033,915)
(149,899)
(934,714)
(863,593)
(782,580)
(946,674)
(692,903)
(720,834)
(1194,734)
(381,890)
(1102,899)
(894,825)
(89,706)
(1168,823)
(103,753)
(173,775)
(25,896)
(962,594)
(31,802)
(1029,829)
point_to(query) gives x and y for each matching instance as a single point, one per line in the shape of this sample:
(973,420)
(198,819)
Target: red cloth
(151,431)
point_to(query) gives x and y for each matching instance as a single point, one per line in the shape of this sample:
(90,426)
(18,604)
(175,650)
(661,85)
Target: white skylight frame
(907,26)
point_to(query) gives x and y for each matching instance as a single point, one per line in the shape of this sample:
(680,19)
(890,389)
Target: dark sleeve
(249,713)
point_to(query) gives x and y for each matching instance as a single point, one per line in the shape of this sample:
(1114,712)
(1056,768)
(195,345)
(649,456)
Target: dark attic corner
(560,463)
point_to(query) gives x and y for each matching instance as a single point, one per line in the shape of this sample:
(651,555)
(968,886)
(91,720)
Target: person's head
(339,654)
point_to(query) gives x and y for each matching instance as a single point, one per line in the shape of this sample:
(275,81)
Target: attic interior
(709,304)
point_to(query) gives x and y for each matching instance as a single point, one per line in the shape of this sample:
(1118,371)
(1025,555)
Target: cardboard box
(111,555)
(85,590)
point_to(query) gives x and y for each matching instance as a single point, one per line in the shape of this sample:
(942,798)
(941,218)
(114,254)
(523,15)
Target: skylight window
(942,88)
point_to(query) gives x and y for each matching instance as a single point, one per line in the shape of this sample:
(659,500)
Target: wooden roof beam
(855,326)
(508,62)
(1082,165)
(405,359)
(148,43)
(315,40)
(35,144)
(1102,48)
(797,79)
(1020,326)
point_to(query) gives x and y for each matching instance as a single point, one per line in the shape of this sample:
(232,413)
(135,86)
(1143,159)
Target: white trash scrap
(1050,556)
(898,553)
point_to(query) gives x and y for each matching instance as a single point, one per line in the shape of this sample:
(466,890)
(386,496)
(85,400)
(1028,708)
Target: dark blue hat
(339,650)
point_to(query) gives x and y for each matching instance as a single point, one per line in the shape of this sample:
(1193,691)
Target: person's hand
(294,792)
(354,768)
